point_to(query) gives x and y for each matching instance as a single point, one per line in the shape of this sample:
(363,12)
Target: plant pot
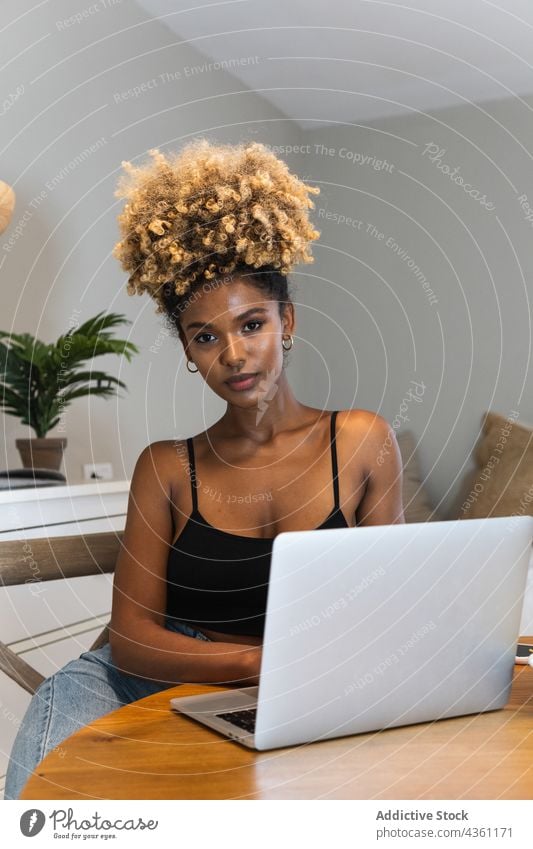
(45,453)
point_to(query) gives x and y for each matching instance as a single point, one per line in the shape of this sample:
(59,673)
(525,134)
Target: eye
(248,323)
(254,321)
(199,337)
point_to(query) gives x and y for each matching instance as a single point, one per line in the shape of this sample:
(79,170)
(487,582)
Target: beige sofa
(501,484)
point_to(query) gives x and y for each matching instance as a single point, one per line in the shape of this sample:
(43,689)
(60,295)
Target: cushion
(502,483)
(416,503)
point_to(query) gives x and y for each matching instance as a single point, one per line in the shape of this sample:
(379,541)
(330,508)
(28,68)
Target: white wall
(73,79)
(366,326)
(376,326)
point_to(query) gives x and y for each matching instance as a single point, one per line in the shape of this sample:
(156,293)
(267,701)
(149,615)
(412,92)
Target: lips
(242,382)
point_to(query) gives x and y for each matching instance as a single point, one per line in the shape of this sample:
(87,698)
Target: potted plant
(38,381)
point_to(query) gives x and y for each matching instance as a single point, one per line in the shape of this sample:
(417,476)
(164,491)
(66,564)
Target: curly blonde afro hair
(208,210)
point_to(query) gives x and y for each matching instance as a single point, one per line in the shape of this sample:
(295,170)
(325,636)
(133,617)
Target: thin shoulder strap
(192,473)
(334,466)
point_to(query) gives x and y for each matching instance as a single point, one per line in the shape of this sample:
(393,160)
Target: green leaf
(34,374)
(100,322)
(103,391)
(83,376)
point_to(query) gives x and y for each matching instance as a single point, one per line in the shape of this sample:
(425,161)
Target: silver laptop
(373,627)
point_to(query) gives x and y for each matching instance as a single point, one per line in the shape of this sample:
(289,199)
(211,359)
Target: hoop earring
(285,348)
(192,370)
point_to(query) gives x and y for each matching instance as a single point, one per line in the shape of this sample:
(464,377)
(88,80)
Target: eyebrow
(237,318)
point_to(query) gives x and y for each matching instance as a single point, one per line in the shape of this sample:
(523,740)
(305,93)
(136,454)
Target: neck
(277,409)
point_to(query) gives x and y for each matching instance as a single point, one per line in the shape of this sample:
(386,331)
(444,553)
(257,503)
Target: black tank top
(219,580)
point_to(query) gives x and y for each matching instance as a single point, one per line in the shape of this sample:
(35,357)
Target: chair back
(25,561)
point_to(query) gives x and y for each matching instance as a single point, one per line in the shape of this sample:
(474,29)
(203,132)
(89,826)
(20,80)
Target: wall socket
(98,471)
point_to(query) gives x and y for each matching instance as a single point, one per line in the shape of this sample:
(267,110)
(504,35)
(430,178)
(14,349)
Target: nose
(233,353)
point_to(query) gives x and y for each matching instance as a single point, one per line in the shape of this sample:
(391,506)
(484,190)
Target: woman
(211,234)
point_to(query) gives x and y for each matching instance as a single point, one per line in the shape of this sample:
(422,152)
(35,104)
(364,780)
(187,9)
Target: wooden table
(146,751)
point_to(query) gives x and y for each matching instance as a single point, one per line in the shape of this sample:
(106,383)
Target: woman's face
(230,329)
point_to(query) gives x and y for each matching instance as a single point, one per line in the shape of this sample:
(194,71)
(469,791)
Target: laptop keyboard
(242,718)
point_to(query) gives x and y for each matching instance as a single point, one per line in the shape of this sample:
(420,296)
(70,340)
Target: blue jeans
(77,694)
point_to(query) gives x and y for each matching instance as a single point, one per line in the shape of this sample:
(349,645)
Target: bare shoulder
(366,423)
(167,447)
(157,461)
(159,452)
(371,433)
(379,456)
